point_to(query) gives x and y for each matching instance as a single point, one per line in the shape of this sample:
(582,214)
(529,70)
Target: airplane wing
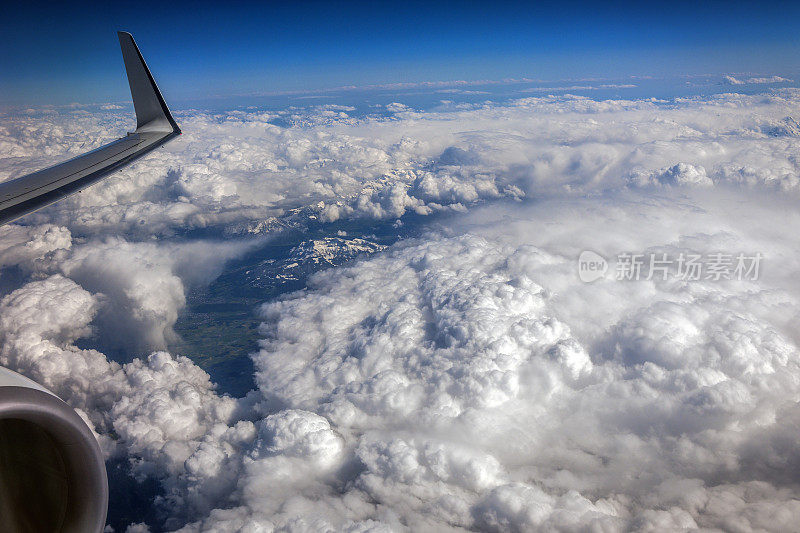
(154,127)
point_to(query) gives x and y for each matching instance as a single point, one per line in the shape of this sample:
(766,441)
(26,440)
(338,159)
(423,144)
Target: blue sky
(60,54)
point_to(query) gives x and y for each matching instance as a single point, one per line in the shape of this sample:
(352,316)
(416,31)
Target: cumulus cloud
(159,410)
(143,284)
(733,81)
(444,383)
(24,246)
(465,379)
(463,349)
(245,167)
(681,174)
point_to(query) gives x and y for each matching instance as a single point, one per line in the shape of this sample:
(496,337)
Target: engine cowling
(52,471)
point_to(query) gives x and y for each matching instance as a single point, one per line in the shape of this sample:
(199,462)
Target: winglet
(152,113)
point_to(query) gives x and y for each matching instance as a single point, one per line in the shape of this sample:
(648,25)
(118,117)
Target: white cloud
(465,345)
(463,380)
(681,174)
(24,246)
(143,284)
(238,168)
(756,80)
(770,79)
(733,81)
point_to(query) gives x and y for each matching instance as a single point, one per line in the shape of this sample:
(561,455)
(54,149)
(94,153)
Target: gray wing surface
(154,127)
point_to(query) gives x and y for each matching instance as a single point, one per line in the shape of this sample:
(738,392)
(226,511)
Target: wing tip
(147,100)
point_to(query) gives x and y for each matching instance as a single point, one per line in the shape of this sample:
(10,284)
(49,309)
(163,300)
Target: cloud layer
(241,167)
(466,379)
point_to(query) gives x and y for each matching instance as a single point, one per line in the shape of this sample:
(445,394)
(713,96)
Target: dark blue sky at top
(69,53)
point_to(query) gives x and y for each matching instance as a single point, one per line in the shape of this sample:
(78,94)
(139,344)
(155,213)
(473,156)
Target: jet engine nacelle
(52,472)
